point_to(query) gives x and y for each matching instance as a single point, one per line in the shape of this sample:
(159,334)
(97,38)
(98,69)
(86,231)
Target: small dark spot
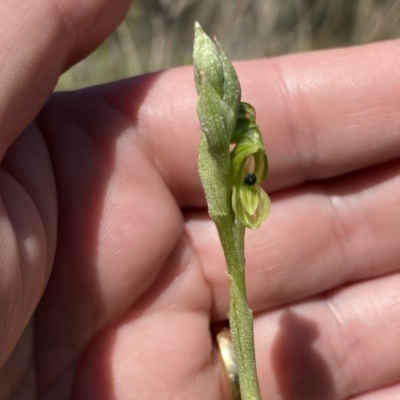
(250,179)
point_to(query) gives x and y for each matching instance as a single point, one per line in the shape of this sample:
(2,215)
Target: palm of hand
(138,274)
(126,287)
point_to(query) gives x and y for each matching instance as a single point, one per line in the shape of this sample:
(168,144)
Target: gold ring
(225,345)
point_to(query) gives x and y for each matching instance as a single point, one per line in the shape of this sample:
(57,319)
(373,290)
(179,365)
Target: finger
(23,261)
(40,39)
(326,113)
(332,347)
(386,393)
(321,114)
(317,237)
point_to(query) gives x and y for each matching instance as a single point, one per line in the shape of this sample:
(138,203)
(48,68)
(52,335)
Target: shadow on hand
(301,372)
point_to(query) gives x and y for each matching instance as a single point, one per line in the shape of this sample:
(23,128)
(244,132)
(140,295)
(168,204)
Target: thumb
(38,40)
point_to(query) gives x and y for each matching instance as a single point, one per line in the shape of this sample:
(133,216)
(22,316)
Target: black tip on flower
(250,179)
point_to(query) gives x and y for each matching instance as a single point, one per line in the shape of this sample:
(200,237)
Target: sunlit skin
(112,272)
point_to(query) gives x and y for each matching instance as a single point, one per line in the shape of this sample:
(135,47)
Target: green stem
(231,179)
(240,316)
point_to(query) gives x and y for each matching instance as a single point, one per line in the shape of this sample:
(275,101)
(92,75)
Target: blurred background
(158,34)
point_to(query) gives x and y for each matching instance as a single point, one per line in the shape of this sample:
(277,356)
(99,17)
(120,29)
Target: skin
(112,273)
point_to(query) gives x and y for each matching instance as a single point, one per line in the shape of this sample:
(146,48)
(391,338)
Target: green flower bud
(246,120)
(219,93)
(249,167)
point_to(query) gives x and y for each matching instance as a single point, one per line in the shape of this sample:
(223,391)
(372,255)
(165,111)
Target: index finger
(322,114)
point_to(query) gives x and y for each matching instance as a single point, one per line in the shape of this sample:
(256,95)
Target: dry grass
(158,34)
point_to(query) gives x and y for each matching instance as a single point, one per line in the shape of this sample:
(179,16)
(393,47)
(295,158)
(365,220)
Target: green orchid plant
(232,165)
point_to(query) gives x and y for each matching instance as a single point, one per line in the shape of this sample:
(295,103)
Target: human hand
(138,275)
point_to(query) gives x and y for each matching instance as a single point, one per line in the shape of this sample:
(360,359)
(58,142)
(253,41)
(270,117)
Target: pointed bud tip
(198,28)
